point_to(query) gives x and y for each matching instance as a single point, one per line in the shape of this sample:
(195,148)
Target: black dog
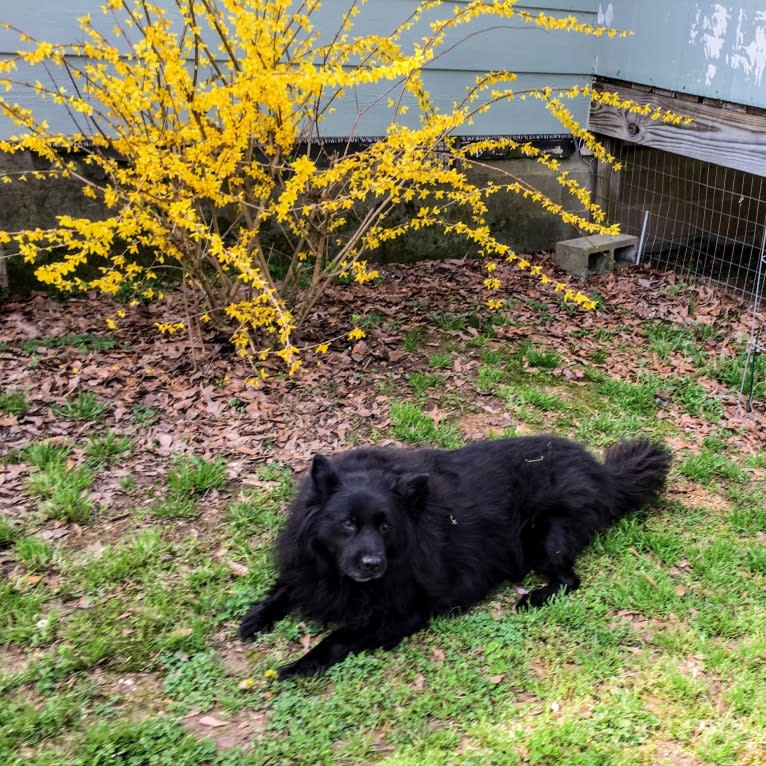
(380,540)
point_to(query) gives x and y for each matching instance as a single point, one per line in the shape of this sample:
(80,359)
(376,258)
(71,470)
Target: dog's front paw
(305,666)
(254,622)
(522,603)
(535,598)
(532,600)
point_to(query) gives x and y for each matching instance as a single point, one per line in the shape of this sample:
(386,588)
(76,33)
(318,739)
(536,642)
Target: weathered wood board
(728,137)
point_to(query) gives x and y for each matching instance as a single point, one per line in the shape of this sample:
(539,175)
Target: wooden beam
(733,139)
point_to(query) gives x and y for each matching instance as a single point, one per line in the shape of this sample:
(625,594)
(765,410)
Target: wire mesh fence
(701,220)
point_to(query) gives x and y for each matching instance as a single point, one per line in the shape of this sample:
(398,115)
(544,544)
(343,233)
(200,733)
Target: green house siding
(537,56)
(710,48)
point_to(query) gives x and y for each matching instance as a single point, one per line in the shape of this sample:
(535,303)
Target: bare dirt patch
(696,496)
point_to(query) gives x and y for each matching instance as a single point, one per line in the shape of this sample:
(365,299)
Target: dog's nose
(371,564)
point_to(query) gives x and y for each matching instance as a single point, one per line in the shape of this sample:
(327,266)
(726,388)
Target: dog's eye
(349,524)
(384,527)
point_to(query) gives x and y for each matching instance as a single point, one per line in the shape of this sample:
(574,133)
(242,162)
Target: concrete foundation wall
(518,222)
(522,224)
(31,204)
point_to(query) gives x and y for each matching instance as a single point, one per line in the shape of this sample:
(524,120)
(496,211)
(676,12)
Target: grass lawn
(135,531)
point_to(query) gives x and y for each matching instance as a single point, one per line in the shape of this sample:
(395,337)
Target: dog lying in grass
(378,541)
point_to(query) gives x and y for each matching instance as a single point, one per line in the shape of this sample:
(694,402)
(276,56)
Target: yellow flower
(356,334)
(111,324)
(171,327)
(322,348)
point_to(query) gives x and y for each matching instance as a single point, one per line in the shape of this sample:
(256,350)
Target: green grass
(84,343)
(105,448)
(542,309)
(693,341)
(689,394)
(440,359)
(489,377)
(534,355)
(367,322)
(526,364)
(544,359)
(706,467)
(665,632)
(636,398)
(8,533)
(145,414)
(116,633)
(450,320)
(191,475)
(410,424)
(84,406)
(422,382)
(415,338)
(59,485)
(175,507)
(732,372)
(43,454)
(521,396)
(33,553)
(689,340)
(14,401)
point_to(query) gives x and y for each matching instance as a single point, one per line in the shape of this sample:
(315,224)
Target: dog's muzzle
(368,567)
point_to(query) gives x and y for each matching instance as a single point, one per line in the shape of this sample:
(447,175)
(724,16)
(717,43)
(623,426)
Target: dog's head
(361,519)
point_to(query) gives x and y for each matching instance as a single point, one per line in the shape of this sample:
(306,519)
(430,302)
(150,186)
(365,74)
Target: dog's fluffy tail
(639,469)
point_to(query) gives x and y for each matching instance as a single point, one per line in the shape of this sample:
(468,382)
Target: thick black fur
(380,540)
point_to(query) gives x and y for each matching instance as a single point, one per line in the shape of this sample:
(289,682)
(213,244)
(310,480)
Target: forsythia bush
(204,120)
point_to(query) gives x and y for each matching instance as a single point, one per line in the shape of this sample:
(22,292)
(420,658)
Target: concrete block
(595,254)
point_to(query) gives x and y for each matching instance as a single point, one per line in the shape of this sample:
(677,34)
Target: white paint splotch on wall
(750,57)
(605,15)
(730,38)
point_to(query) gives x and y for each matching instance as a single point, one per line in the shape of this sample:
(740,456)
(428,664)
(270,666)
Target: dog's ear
(323,477)
(412,487)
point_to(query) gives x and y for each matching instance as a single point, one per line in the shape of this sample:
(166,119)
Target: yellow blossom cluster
(655,113)
(170,327)
(199,129)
